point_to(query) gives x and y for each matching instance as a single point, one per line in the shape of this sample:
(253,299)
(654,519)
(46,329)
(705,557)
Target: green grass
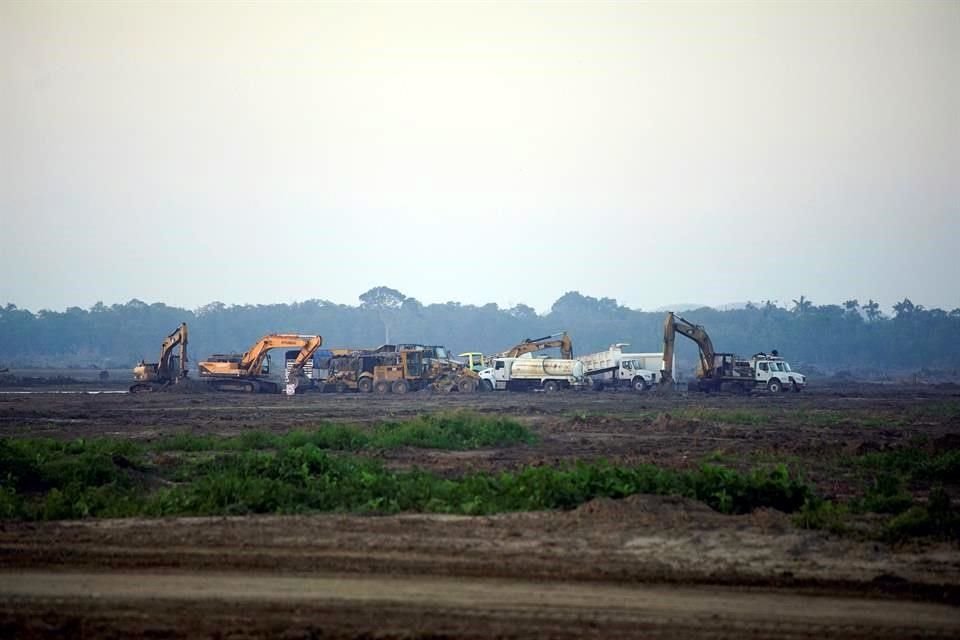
(452,431)
(43,479)
(894,483)
(914,464)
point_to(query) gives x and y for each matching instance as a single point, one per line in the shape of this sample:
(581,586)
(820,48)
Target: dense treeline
(848,336)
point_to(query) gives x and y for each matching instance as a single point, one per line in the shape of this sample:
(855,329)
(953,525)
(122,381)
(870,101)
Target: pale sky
(185,152)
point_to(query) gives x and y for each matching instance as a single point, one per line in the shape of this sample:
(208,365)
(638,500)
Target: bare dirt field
(649,566)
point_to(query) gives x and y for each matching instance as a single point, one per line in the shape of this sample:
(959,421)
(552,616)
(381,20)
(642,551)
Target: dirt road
(250,603)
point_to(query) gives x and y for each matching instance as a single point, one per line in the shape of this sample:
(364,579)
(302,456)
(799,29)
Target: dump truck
(171,367)
(381,370)
(531,374)
(614,369)
(717,371)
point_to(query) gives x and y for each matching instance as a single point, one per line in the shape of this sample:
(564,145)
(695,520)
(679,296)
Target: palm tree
(904,308)
(872,309)
(802,305)
(851,305)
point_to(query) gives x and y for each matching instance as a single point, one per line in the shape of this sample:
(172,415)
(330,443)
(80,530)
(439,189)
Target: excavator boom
(150,376)
(559,340)
(674,324)
(252,360)
(165,364)
(246,370)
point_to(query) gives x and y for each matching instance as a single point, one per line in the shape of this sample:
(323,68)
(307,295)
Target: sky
(655,153)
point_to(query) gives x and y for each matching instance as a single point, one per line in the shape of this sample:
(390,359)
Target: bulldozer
(171,368)
(247,372)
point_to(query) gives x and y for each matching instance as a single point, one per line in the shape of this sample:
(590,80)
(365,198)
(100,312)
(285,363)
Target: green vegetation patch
(43,479)
(895,482)
(453,431)
(914,464)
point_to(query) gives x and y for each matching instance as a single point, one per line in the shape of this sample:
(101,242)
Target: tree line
(849,335)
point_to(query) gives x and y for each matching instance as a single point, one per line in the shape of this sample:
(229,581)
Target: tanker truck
(531,374)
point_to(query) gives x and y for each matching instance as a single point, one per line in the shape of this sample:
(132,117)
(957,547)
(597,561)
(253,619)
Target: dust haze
(654,153)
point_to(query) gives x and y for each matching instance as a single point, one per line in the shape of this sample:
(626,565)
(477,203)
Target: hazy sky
(186,152)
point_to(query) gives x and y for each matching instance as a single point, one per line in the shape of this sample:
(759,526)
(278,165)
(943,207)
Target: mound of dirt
(641,506)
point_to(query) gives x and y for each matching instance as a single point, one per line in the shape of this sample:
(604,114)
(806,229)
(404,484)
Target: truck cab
(775,373)
(639,378)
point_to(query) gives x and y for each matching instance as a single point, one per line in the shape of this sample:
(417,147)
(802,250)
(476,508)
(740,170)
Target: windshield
(441,353)
(786,366)
(776,366)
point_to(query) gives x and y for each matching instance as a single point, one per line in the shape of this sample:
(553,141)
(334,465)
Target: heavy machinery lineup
(402,368)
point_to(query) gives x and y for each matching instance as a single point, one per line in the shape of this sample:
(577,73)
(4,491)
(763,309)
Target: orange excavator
(247,372)
(171,369)
(559,340)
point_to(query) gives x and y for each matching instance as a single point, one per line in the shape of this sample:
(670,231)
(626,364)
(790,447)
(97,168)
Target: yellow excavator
(152,376)
(674,324)
(246,372)
(559,340)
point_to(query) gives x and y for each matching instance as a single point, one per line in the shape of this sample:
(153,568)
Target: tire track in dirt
(592,605)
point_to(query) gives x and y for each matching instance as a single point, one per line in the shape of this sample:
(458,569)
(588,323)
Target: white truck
(613,368)
(761,370)
(774,373)
(531,374)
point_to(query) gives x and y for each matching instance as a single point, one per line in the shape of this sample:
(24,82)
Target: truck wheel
(365,385)
(486,386)
(774,386)
(551,386)
(639,385)
(467,385)
(796,388)
(382,386)
(400,386)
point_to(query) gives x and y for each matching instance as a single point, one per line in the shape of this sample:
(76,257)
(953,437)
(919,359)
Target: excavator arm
(673,325)
(252,361)
(165,364)
(560,340)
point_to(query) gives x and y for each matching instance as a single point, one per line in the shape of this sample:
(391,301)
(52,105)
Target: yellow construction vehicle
(247,372)
(398,372)
(475,361)
(399,369)
(151,376)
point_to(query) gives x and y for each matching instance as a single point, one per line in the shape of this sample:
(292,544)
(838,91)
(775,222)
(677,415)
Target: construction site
(402,368)
(400,491)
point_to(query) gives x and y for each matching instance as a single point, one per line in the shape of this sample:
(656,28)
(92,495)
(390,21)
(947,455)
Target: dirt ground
(644,566)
